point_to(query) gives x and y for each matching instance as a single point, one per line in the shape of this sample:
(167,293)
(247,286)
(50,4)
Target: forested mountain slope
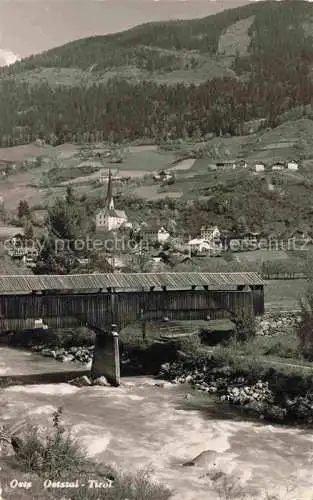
(278,29)
(170,78)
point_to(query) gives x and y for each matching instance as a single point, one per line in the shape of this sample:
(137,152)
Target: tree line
(122,111)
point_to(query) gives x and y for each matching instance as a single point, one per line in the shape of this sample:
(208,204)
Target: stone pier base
(106,359)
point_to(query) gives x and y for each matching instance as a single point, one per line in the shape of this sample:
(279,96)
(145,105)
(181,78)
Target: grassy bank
(52,455)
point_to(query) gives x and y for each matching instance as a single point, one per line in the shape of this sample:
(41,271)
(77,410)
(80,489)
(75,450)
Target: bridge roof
(125,281)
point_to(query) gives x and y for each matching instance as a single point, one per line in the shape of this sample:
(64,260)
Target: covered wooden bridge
(103,300)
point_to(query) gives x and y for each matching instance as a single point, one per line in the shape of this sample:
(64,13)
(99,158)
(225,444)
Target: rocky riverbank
(84,355)
(81,354)
(279,323)
(259,399)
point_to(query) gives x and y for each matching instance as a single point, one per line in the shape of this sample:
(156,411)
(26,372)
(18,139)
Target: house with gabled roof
(209,233)
(278,165)
(293,165)
(260,166)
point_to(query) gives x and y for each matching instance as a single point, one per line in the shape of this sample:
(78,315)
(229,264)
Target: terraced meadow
(63,165)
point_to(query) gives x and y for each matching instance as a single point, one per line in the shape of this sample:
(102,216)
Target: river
(142,425)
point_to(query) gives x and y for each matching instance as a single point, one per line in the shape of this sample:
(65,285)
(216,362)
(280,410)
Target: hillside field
(284,294)
(193,176)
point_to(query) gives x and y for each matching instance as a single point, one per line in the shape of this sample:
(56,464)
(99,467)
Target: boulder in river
(207,457)
(83,381)
(102,381)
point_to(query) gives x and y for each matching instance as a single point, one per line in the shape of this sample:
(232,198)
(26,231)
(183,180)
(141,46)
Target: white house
(278,166)
(103,178)
(199,245)
(259,167)
(118,263)
(154,233)
(157,260)
(210,233)
(292,165)
(109,218)
(163,235)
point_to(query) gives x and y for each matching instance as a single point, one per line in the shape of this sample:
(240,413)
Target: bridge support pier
(106,359)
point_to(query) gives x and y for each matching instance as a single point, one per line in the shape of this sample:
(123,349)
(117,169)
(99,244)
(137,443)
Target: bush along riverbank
(266,393)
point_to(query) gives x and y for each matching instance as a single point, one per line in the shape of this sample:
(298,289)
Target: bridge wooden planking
(102,309)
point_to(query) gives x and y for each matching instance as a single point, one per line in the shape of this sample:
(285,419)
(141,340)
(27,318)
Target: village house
(300,234)
(28,255)
(23,249)
(226,163)
(154,233)
(162,176)
(30,258)
(118,264)
(157,263)
(13,240)
(199,245)
(109,218)
(242,164)
(259,167)
(292,165)
(279,165)
(11,233)
(236,241)
(210,233)
(157,259)
(209,241)
(163,235)
(83,262)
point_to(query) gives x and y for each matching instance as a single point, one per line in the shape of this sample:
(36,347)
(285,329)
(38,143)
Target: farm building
(118,264)
(11,233)
(210,233)
(279,165)
(226,163)
(242,164)
(163,235)
(259,167)
(293,165)
(154,233)
(200,245)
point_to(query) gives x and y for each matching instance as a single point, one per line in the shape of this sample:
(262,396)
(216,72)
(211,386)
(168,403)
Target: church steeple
(109,200)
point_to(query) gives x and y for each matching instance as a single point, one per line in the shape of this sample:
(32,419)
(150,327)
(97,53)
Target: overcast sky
(31,26)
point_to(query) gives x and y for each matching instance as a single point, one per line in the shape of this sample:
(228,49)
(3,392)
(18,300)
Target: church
(109,218)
